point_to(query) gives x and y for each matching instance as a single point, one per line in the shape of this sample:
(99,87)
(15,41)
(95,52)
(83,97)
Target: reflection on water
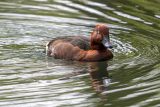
(99,76)
(29,78)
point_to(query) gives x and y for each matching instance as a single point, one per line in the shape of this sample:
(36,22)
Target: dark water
(28,78)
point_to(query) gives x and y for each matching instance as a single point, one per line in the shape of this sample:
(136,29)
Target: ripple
(45,18)
(132,17)
(103,6)
(90,10)
(158,16)
(123,47)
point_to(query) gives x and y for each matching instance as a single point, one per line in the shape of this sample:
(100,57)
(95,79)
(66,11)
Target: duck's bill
(106,42)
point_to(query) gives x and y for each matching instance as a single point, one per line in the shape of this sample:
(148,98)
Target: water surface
(29,78)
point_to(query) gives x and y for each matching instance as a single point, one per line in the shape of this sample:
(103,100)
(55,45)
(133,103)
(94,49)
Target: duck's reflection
(99,76)
(98,72)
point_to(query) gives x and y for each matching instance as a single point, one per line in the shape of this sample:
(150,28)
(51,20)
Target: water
(28,78)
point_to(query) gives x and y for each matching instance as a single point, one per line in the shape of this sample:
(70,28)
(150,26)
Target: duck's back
(81,41)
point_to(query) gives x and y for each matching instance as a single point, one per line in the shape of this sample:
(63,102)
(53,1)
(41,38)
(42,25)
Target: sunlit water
(28,78)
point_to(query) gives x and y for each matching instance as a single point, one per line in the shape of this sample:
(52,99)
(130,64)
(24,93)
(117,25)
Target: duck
(82,48)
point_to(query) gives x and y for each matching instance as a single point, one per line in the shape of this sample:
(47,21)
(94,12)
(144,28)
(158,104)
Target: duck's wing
(81,41)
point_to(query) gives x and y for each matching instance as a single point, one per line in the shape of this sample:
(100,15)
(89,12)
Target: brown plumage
(82,48)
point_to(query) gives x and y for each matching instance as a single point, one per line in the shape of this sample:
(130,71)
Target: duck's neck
(95,41)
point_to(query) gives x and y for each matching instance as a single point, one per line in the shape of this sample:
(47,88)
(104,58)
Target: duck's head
(100,37)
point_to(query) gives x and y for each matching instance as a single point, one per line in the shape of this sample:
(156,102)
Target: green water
(28,78)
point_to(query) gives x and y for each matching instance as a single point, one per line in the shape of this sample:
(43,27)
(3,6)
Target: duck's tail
(47,48)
